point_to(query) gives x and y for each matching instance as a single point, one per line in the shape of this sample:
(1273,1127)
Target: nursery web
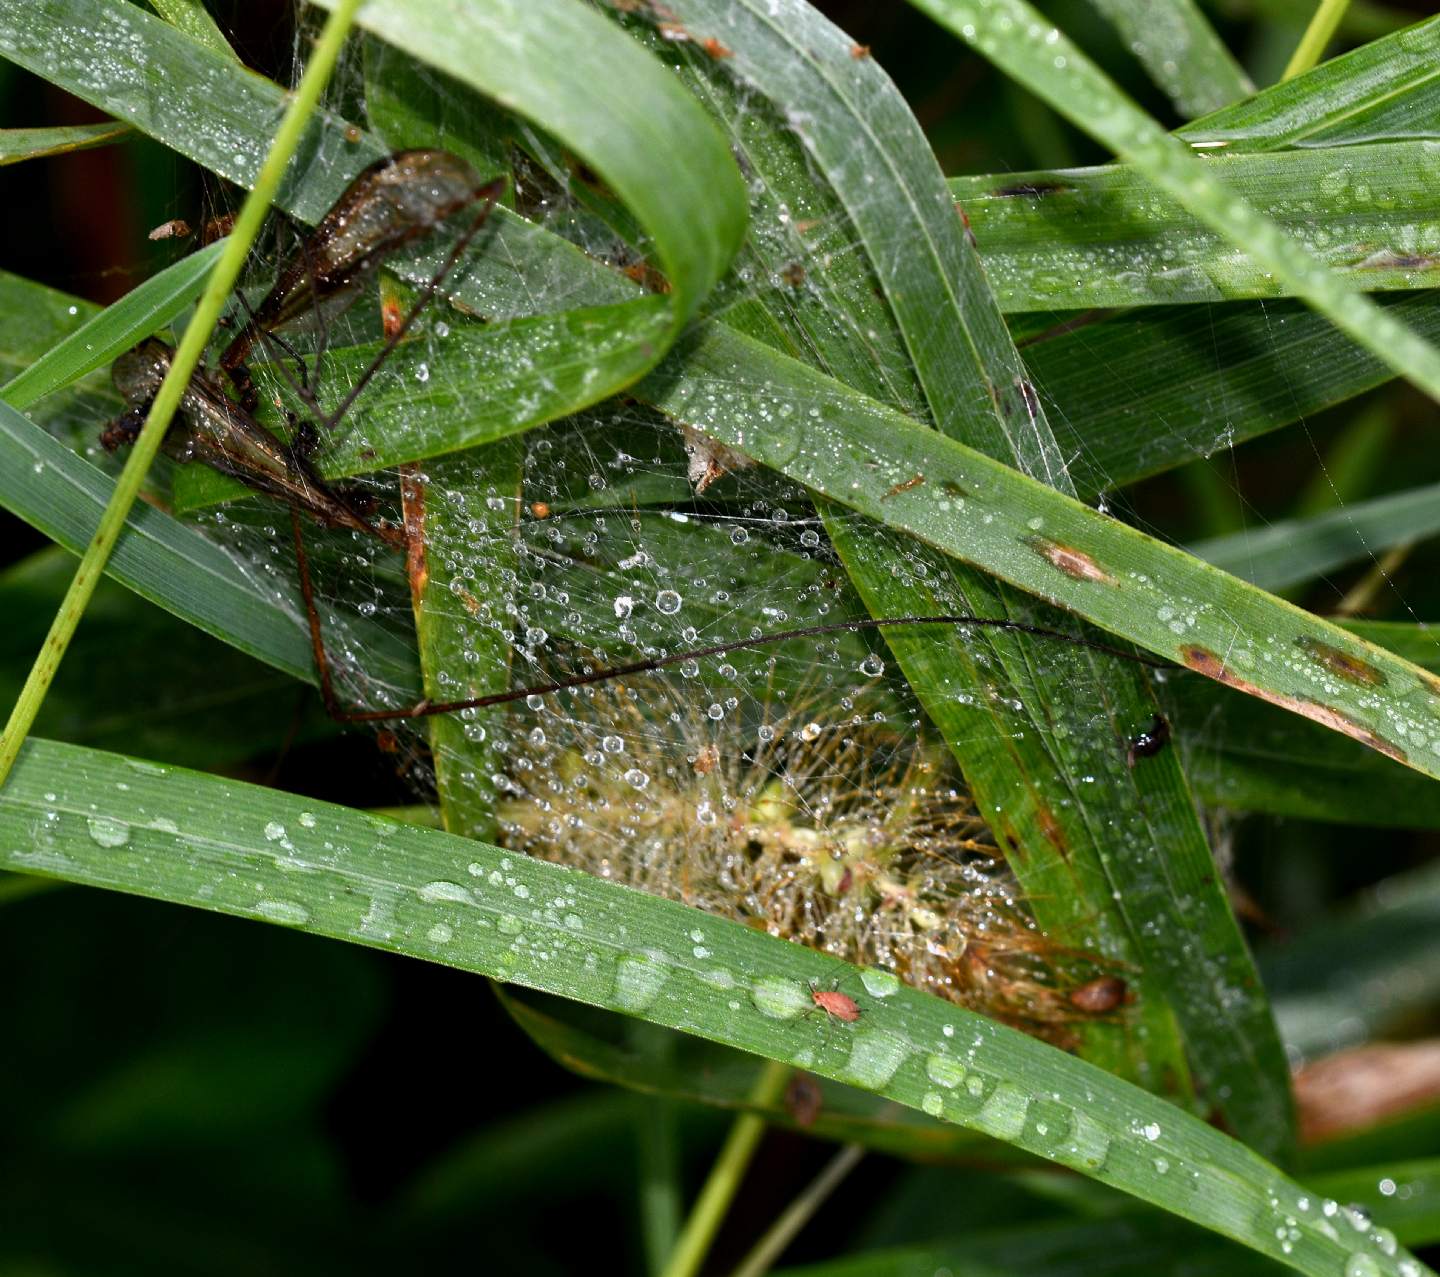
(798,786)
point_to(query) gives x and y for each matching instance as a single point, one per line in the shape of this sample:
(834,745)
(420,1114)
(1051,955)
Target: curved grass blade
(1088,891)
(1021,42)
(204,105)
(115,822)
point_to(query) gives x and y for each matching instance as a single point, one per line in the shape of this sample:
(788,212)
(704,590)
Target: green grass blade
(1080,238)
(204,105)
(142,311)
(1244,754)
(1087,891)
(215,707)
(1292,551)
(32,144)
(1195,381)
(855,451)
(166,562)
(1021,42)
(191,17)
(1180,51)
(113,822)
(1388,89)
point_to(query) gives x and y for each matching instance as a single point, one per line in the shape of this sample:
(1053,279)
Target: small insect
(1099,996)
(1149,742)
(914,481)
(715,49)
(836,1005)
(859,51)
(175,228)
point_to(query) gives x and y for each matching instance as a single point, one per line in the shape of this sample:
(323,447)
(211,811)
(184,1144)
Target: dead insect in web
(392,202)
(213,429)
(175,228)
(1149,742)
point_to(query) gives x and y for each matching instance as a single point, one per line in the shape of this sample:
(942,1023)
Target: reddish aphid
(840,1006)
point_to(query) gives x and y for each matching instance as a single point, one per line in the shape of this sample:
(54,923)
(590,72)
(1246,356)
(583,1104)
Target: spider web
(798,786)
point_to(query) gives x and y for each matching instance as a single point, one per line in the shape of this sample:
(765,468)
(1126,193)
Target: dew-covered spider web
(799,786)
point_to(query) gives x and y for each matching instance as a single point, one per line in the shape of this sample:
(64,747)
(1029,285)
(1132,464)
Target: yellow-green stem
(1317,36)
(187,359)
(799,1213)
(725,1176)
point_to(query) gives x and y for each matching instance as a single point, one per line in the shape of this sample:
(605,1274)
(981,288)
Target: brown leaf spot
(1340,663)
(1051,829)
(1074,563)
(1203,661)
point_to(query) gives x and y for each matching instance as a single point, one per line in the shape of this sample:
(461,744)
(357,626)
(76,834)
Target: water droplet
(307,820)
(872,666)
(874,1057)
(108,832)
(1151,1130)
(287,912)
(441,933)
(274,831)
(638,980)
(624,605)
(1361,1265)
(612,744)
(880,984)
(636,778)
(778,998)
(944,1071)
(508,924)
(1003,1114)
(435,892)
(668,602)
(718,978)
(933,1103)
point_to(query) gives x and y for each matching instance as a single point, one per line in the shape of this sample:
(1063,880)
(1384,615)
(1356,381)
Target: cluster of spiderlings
(839,834)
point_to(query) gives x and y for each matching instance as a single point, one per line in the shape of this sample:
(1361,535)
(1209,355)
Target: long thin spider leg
(425,709)
(312,616)
(487,195)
